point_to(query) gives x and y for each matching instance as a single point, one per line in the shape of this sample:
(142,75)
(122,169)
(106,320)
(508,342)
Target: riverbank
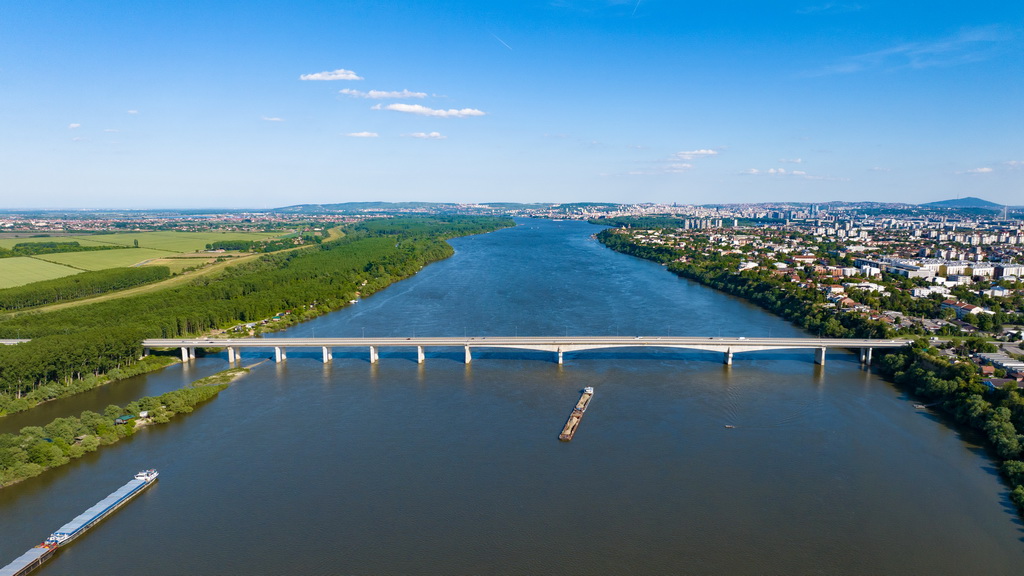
(51,392)
(69,344)
(40,448)
(956,387)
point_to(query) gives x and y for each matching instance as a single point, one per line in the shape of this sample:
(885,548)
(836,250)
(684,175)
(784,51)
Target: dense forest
(70,344)
(79,286)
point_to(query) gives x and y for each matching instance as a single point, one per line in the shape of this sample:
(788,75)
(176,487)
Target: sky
(261,104)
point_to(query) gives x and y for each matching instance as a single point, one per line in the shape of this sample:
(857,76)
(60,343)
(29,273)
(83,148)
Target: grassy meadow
(18,271)
(176,250)
(103,259)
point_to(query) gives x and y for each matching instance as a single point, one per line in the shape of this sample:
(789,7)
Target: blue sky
(260,104)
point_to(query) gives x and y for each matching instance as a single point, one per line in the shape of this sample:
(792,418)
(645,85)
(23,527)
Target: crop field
(86,240)
(18,271)
(178,263)
(103,259)
(167,241)
(178,241)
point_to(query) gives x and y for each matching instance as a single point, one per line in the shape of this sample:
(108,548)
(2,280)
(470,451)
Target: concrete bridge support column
(819,356)
(559,356)
(728,358)
(469,357)
(184,354)
(231,355)
(279,354)
(192,353)
(419,355)
(865,356)
(145,352)
(328,355)
(373,355)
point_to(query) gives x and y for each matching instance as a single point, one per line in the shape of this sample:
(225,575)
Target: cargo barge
(81,524)
(577,414)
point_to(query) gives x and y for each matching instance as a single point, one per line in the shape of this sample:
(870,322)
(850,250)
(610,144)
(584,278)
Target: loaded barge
(577,414)
(81,524)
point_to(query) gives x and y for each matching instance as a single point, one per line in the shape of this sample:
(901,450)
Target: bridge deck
(548,343)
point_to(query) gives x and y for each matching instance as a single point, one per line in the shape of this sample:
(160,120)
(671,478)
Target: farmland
(104,259)
(176,250)
(18,271)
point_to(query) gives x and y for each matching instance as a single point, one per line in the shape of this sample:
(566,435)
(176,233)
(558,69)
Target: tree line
(70,344)
(955,388)
(38,248)
(958,391)
(79,286)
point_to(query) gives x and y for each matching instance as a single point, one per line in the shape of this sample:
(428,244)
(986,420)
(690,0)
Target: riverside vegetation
(69,345)
(36,449)
(955,388)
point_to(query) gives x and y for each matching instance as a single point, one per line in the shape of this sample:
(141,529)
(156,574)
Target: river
(447,468)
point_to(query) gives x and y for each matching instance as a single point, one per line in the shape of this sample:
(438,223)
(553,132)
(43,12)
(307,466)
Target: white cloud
(381,94)
(791,160)
(983,170)
(363,134)
(678,167)
(133,112)
(339,74)
(1014,163)
(272,119)
(428,135)
(693,154)
(879,169)
(111,130)
(74,125)
(424,111)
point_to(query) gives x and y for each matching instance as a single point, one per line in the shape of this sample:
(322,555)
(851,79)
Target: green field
(18,271)
(167,241)
(86,240)
(155,248)
(103,259)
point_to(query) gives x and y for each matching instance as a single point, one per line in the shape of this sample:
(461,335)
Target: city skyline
(117,105)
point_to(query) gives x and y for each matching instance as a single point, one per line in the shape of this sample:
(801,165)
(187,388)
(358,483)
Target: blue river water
(447,468)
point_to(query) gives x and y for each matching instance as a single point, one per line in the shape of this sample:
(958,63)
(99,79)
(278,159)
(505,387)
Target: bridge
(556,344)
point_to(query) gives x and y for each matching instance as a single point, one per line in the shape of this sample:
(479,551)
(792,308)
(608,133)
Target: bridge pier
(328,355)
(373,355)
(280,354)
(865,356)
(728,358)
(559,356)
(231,355)
(819,356)
(469,357)
(419,355)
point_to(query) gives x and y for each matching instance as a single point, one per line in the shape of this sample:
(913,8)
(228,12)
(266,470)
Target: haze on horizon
(235,104)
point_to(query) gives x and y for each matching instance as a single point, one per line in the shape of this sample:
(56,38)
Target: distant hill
(969,202)
(365,207)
